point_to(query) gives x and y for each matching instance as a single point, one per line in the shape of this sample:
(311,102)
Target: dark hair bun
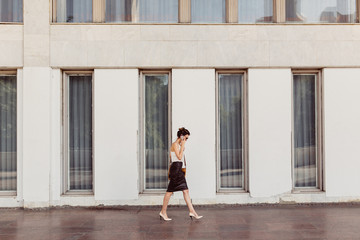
(182,132)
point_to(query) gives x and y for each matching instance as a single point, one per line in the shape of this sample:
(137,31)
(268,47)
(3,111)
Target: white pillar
(115,140)
(193,107)
(36,104)
(269,132)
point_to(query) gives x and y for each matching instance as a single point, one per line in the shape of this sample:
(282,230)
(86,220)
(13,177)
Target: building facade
(92,93)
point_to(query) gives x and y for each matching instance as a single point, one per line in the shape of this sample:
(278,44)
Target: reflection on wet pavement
(219,222)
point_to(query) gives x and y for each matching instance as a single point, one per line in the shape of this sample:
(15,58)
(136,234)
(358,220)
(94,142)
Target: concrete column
(269,132)
(115,127)
(193,107)
(36,104)
(341,125)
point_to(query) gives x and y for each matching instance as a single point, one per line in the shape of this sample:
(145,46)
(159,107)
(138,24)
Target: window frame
(142,74)
(245,133)
(14,192)
(319,113)
(65,134)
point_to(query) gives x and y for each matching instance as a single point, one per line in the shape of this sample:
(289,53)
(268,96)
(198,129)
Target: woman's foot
(194,215)
(164,217)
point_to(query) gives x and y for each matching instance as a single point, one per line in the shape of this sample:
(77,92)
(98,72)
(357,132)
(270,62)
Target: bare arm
(179,153)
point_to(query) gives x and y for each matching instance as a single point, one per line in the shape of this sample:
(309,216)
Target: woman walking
(177,175)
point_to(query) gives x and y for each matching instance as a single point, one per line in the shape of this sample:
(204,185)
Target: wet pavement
(219,222)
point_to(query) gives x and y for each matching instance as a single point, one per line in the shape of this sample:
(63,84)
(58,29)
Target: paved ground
(219,222)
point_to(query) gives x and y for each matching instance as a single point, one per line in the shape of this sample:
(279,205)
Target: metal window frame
(319,132)
(279,9)
(13,192)
(141,135)
(358,11)
(245,133)
(65,135)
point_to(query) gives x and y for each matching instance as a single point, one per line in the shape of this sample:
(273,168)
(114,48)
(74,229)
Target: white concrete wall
(194,45)
(11,46)
(269,132)
(56,136)
(115,134)
(342,132)
(36,136)
(36,33)
(193,107)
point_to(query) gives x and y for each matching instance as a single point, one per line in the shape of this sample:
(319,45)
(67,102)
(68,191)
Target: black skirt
(177,178)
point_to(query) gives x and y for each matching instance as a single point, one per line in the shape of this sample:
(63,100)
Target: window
(156,129)
(11,11)
(8,130)
(255,11)
(199,11)
(74,11)
(307,131)
(208,11)
(78,132)
(161,11)
(231,152)
(147,11)
(321,11)
(118,10)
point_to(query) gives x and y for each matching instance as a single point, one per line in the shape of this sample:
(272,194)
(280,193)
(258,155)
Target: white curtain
(76,11)
(11,10)
(230,123)
(254,11)
(118,10)
(156,131)
(208,11)
(321,11)
(80,132)
(161,11)
(305,131)
(8,142)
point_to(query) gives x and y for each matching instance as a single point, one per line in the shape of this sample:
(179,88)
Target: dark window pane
(118,10)
(8,129)
(305,131)
(80,132)
(76,11)
(11,11)
(230,121)
(156,131)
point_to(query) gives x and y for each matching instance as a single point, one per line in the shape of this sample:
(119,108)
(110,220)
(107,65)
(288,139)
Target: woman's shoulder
(173,146)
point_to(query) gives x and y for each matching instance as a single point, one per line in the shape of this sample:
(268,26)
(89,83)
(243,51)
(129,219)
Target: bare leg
(188,202)
(165,203)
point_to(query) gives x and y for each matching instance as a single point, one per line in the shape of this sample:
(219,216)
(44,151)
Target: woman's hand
(183,141)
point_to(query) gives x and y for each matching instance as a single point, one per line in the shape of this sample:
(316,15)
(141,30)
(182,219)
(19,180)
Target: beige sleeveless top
(174,158)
